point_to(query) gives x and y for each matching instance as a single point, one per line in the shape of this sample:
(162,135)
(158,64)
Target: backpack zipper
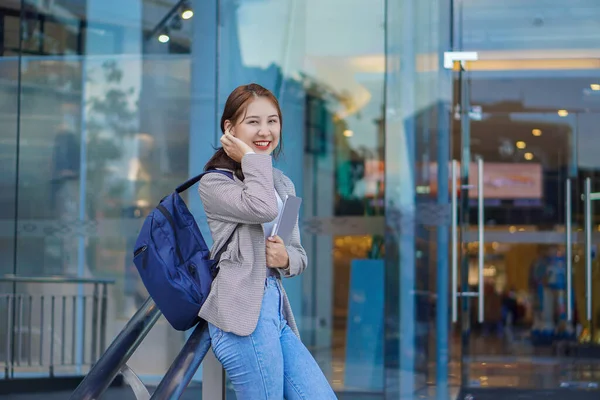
(140,251)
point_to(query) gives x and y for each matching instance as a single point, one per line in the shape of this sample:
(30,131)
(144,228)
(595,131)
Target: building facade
(444,151)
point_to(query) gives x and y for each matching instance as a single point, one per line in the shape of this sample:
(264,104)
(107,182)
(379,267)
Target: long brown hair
(234,111)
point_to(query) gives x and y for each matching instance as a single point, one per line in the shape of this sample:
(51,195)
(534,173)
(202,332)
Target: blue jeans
(271,363)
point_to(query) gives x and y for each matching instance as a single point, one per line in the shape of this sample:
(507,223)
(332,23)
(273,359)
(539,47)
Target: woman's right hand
(234,147)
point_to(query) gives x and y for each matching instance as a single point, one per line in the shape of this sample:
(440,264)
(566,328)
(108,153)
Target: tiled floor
(497,369)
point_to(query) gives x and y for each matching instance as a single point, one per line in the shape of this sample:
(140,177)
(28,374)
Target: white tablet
(286,221)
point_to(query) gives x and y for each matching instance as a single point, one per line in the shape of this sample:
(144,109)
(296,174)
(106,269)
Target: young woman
(251,324)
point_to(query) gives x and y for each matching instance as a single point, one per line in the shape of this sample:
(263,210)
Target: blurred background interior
(106,105)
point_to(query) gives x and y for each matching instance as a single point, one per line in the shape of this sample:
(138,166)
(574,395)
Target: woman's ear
(228,126)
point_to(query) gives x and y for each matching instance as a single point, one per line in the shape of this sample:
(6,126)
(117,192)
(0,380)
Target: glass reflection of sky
(338,42)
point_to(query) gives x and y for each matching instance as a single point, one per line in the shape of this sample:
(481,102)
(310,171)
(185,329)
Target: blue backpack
(173,259)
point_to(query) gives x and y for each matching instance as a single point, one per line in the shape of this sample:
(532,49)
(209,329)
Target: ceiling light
(595,86)
(186,11)
(521,144)
(348,133)
(163,38)
(563,113)
(528,156)
(536,132)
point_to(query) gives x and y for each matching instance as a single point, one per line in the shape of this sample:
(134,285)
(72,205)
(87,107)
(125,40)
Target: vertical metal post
(8,336)
(83,327)
(588,249)
(103,311)
(454,244)
(74,330)
(63,330)
(94,323)
(213,378)
(481,238)
(52,325)
(20,330)
(569,252)
(29,325)
(41,330)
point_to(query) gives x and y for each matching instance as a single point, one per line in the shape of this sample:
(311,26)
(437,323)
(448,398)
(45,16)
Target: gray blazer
(237,209)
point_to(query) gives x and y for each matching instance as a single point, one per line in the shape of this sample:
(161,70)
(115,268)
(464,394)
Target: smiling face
(259,126)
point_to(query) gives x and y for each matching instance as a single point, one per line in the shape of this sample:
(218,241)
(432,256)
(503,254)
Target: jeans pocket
(215,335)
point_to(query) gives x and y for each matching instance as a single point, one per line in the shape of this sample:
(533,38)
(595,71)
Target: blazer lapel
(280,185)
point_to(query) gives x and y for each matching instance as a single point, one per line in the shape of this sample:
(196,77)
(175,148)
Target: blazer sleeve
(296,253)
(253,202)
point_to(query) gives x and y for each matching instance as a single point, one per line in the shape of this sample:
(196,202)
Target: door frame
(462,63)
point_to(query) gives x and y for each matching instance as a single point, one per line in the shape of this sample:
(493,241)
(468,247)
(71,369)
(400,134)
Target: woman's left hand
(277,255)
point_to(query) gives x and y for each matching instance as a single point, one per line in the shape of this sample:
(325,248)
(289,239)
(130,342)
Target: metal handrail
(54,279)
(114,360)
(116,356)
(181,372)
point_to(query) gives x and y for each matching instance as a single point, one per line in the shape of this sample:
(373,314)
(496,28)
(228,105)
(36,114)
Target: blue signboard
(364,335)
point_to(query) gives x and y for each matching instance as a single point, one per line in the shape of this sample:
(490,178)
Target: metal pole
(29,324)
(569,255)
(588,249)
(95,324)
(9,360)
(185,365)
(52,326)
(20,330)
(481,238)
(108,366)
(454,249)
(103,311)
(42,330)
(83,330)
(63,331)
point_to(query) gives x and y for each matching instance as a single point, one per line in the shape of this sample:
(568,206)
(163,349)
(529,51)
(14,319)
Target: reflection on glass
(325,62)
(486,26)
(534,113)
(8,147)
(104,133)
(102,136)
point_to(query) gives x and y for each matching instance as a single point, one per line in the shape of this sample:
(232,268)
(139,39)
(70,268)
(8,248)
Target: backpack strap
(191,182)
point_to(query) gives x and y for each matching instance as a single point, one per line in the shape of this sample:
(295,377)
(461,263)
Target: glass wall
(95,130)
(417,214)
(108,105)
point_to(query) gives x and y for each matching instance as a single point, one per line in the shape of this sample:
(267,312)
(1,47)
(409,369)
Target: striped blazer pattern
(237,209)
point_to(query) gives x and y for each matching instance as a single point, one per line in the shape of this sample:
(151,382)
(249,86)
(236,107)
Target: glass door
(524,229)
